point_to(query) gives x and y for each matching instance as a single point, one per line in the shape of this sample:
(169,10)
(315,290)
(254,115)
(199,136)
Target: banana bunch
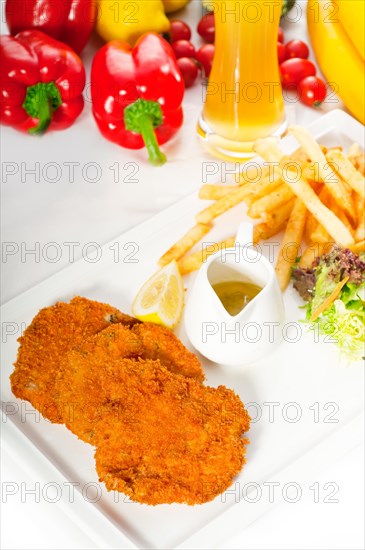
(337,32)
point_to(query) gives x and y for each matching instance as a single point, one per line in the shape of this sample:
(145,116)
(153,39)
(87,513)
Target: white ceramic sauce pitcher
(254,332)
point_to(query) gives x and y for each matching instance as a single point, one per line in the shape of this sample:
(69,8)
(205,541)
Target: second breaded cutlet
(165,438)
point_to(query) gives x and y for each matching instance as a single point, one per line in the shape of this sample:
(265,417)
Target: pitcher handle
(244,235)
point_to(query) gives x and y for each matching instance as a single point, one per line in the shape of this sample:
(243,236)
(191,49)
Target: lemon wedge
(161,298)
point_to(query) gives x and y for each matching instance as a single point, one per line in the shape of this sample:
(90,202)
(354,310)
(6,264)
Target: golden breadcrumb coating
(79,384)
(166,438)
(53,332)
(161,343)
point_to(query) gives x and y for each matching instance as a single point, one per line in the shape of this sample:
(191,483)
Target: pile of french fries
(315,195)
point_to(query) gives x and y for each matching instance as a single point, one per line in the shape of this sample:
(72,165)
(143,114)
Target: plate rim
(318,127)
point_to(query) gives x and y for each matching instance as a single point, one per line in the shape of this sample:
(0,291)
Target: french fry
(310,172)
(358,247)
(332,205)
(269,180)
(359,206)
(300,156)
(330,179)
(250,174)
(268,149)
(222,205)
(342,216)
(258,232)
(325,196)
(262,231)
(289,248)
(347,171)
(276,198)
(183,245)
(320,235)
(357,157)
(250,199)
(310,226)
(354,151)
(361,164)
(194,261)
(275,218)
(313,251)
(360,227)
(338,231)
(307,170)
(215,192)
(265,186)
(360,230)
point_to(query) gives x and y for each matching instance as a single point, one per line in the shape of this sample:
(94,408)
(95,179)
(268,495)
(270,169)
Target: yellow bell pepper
(174,5)
(126,20)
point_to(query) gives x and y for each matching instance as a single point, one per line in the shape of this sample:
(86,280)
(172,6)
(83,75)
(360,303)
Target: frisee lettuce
(344,319)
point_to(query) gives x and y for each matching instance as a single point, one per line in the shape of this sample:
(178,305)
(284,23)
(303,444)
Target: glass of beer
(244,99)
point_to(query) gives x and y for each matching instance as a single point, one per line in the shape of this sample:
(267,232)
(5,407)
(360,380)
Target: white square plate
(304,402)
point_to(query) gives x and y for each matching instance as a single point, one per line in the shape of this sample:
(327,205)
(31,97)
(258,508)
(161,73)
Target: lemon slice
(161,298)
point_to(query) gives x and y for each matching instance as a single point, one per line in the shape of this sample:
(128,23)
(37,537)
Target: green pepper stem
(155,155)
(44,116)
(142,117)
(41,101)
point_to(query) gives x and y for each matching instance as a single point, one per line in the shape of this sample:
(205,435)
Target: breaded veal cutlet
(52,333)
(165,438)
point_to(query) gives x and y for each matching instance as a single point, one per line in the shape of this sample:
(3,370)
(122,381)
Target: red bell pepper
(137,94)
(70,21)
(41,82)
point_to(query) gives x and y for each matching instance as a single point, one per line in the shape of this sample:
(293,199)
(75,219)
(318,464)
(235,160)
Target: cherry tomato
(183,48)
(206,28)
(179,30)
(205,56)
(312,91)
(296,48)
(281,52)
(189,70)
(294,70)
(281,35)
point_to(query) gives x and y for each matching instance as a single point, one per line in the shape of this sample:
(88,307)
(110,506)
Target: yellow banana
(174,5)
(338,58)
(351,14)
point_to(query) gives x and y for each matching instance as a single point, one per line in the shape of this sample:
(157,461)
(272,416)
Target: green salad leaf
(344,319)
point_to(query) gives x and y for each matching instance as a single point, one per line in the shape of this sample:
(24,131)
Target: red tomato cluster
(206,28)
(190,60)
(297,72)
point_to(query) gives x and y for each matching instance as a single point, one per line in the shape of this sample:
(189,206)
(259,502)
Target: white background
(83,212)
